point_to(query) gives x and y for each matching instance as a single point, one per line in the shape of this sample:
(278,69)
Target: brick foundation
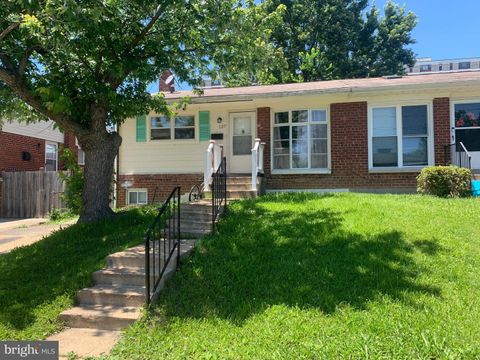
(164,183)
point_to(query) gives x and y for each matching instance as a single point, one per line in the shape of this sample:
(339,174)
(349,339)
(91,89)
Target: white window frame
(453,125)
(56,154)
(79,148)
(290,124)
(399,134)
(172,129)
(137,191)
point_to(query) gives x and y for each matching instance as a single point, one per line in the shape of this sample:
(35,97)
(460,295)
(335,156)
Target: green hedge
(445,181)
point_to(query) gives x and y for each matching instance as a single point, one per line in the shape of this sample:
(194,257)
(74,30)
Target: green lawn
(38,282)
(339,276)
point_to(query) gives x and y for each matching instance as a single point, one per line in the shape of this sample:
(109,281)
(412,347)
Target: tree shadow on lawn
(304,258)
(61,264)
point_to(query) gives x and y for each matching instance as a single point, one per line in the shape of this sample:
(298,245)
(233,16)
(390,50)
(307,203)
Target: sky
(445,29)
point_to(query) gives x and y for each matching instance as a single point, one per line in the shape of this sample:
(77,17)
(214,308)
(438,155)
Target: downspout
(117,168)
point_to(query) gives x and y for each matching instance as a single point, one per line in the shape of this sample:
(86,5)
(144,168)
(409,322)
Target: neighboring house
(358,135)
(34,146)
(426,65)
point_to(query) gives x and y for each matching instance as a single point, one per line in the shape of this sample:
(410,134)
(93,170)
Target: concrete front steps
(113,303)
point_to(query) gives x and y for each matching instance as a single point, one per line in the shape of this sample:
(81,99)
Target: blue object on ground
(476,187)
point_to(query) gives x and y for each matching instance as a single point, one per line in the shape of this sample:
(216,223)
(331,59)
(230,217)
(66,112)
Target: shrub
(445,181)
(73,182)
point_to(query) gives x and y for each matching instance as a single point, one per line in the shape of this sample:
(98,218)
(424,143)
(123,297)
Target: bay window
(400,137)
(300,140)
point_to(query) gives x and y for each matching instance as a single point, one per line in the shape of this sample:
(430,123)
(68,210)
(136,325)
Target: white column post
(208,165)
(255,164)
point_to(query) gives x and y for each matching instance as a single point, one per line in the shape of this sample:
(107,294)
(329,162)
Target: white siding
(41,130)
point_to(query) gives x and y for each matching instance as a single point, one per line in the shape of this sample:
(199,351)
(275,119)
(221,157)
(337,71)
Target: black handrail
(459,155)
(219,191)
(161,240)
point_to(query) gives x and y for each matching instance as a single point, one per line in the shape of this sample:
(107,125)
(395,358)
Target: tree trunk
(100,150)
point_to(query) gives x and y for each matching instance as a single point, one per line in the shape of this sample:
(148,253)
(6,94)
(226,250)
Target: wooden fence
(30,193)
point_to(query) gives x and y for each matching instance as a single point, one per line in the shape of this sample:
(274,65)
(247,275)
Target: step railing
(162,242)
(459,155)
(219,191)
(257,161)
(213,158)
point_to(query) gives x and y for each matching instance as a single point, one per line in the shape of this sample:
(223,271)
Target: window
(440,67)
(51,156)
(80,153)
(467,125)
(400,136)
(451,66)
(464,65)
(81,157)
(137,197)
(425,68)
(300,140)
(178,128)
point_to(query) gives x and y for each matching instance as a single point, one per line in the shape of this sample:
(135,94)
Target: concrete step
(241,194)
(112,295)
(100,317)
(239,187)
(134,258)
(196,233)
(196,216)
(120,276)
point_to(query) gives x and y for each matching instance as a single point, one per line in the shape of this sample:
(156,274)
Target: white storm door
(242,135)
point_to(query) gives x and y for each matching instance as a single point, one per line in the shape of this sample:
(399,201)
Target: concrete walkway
(22,232)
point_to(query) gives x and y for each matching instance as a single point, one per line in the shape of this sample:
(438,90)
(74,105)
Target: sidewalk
(22,232)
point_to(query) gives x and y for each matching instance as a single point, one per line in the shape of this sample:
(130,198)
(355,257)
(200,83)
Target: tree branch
(144,32)
(19,88)
(24,61)
(9,29)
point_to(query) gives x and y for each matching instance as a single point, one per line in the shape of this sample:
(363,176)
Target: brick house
(34,146)
(371,134)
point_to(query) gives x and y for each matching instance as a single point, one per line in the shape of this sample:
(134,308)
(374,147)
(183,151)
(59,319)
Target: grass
(38,282)
(324,277)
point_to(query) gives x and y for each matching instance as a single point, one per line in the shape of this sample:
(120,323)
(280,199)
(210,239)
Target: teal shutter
(142,128)
(204,124)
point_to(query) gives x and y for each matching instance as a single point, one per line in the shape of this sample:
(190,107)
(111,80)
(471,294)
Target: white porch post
(209,158)
(255,164)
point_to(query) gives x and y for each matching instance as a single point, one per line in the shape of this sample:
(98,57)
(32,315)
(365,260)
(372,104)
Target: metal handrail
(162,239)
(219,191)
(459,155)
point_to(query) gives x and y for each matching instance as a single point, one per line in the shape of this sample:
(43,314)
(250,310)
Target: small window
(425,68)
(440,68)
(451,66)
(464,65)
(137,197)
(178,128)
(81,157)
(51,157)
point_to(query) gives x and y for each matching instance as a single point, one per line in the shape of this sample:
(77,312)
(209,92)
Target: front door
(242,135)
(466,128)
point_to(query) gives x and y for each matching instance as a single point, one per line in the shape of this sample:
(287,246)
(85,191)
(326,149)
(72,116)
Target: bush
(73,182)
(445,181)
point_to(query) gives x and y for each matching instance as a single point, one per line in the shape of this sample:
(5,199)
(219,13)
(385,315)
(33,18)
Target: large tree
(86,64)
(329,39)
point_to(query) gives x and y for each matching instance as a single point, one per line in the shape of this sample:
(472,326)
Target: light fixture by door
(219,120)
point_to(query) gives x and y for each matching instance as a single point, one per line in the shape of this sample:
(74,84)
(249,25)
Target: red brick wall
(349,156)
(264,133)
(441,124)
(70,143)
(11,148)
(164,182)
